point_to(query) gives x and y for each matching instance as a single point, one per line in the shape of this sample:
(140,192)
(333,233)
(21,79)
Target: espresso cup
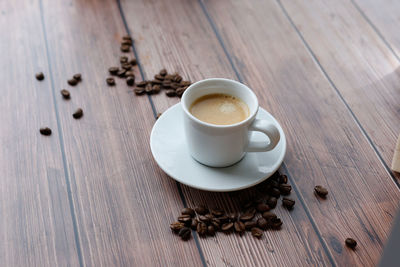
(224,145)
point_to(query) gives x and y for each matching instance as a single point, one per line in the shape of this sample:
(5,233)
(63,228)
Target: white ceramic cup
(224,145)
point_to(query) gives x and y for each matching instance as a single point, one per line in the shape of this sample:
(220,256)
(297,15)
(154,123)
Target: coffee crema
(219,109)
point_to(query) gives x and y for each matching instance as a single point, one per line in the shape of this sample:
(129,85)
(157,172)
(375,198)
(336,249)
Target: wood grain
(36,227)
(363,69)
(325,145)
(177,35)
(124,203)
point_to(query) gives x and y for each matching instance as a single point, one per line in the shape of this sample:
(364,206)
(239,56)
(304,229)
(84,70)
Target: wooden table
(92,195)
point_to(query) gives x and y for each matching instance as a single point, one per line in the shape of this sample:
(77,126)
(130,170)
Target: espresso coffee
(219,109)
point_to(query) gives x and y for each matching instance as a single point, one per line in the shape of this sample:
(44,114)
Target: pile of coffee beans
(255,216)
(172,84)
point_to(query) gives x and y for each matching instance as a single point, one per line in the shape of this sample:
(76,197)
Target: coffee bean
(211,230)
(185,233)
(275,223)
(159,77)
(169,77)
(226,227)
(250,224)
(45,131)
(272,202)
(176,226)
(126,66)
(125,48)
(194,224)
(110,81)
(256,232)
(201,228)
(163,72)
(65,94)
(188,211)
(185,83)
(351,243)
(216,223)
(217,212)
(209,216)
(174,86)
(126,42)
(274,192)
(288,203)
(139,90)
(141,84)
(224,219)
(177,78)
(113,70)
(321,191)
(170,92)
(239,227)
(78,77)
(78,113)
(166,84)
(133,62)
(121,73)
(39,76)
(156,82)
(179,92)
(130,80)
(130,74)
(126,37)
(73,82)
(246,216)
(201,210)
(156,88)
(149,89)
(185,218)
(262,223)
(232,216)
(285,189)
(204,219)
(261,207)
(268,215)
(283,179)
(123,59)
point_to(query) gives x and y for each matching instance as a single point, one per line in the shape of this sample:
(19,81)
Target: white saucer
(168,145)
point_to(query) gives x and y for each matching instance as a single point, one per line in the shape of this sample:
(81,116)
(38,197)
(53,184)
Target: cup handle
(269,130)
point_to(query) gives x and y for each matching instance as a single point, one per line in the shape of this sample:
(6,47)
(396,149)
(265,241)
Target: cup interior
(219,86)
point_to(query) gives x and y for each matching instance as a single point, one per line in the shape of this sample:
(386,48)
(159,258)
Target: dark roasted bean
(283,179)
(239,227)
(149,89)
(113,70)
(156,88)
(121,73)
(227,227)
(110,81)
(39,76)
(72,82)
(141,84)
(170,92)
(123,59)
(130,74)
(211,230)
(194,224)
(204,219)
(176,226)
(78,113)
(321,191)
(139,90)
(188,211)
(159,77)
(250,224)
(163,72)
(262,223)
(201,210)
(274,192)
(133,62)
(275,223)
(125,48)
(351,243)
(185,233)
(201,228)
(268,215)
(185,218)
(288,203)
(45,131)
(65,93)
(272,201)
(285,189)
(130,81)
(217,212)
(126,66)
(261,207)
(256,232)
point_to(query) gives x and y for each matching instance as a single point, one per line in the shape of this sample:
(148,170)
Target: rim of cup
(236,83)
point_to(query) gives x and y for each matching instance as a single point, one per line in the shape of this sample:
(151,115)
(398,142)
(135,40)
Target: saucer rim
(279,161)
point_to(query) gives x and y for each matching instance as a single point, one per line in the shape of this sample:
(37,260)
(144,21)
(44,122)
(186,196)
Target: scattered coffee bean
(321,191)
(170,92)
(285,189)
(250,224)
(130,74)
(158,82)
(201,228)
(283,179)
(121,73)
(351,243)
(194,224)
(188,211)
(133,62)
(139,91)
(78,113)
(141,84)
(73,82)
(262,223)
(261,207)
(78,77)
(149,89)
(39,76)
(65,93)
(176,226)
(156,88)
(126,37)
(130,81)
(179,92)
(45,131)
(123,59)
(204,219)
(110,81)
(185,218)
(159,77)
(272,201)
(288,203)
(163,72)
(211,230)
(125,48)
(185,233)
(126,42)
(126,66)
(217,212)
(227,227)
(256,232)
(239,227)
(268,215)
(276,223)
(246,216)
(113,70)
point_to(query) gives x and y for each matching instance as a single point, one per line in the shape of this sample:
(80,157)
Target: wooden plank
(362,67)
(325,144)
(177,35)
(124,204)
(36,227)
